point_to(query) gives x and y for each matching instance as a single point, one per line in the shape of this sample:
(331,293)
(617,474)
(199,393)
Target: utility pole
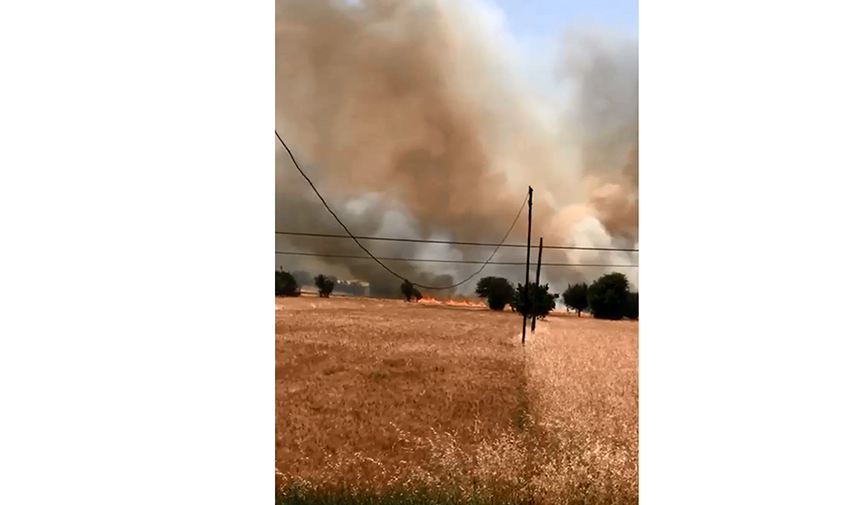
(526,306)
(537,277)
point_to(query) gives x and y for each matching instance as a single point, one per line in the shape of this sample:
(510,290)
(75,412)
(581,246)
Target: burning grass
(378,401)
(461,302)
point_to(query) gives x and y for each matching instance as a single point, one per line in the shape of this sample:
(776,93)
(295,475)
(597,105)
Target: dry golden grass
(583,385)
(381,394)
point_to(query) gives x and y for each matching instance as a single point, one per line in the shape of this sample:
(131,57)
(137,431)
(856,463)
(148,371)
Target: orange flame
(450,301)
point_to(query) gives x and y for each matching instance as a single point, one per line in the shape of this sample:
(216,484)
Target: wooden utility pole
(528,259)
(537,277)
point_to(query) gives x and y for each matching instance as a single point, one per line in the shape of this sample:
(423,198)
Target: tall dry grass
(583,385)
(561,426)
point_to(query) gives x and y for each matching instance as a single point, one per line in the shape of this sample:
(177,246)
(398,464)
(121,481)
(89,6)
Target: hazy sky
(535,32)
(535,29)
(538,18)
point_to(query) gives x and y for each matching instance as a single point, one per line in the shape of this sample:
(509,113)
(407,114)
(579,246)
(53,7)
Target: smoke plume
(412,122)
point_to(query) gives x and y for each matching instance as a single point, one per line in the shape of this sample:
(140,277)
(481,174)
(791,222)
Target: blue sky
(541,18)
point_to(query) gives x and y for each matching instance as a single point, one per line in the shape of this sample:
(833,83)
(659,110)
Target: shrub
(539,303)
(285,284)
(576,297)
(608,296)
(410,291)
(496,290)
(324,284)
(632,309)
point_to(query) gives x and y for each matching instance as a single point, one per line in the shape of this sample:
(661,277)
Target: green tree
(324,284)
(496,290)
(539,303)
(608,296)
(285,284)
(576,297)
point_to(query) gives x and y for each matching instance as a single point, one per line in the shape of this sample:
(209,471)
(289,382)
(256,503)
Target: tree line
(608,297)
(291,283)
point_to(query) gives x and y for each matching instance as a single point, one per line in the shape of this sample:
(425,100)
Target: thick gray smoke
(411,120)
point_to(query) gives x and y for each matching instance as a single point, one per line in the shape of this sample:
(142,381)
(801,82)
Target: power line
(467,262)
(383,265)
(452,242)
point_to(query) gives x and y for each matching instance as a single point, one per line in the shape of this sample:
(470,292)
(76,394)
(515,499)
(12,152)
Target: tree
(407,289)
(539,303)
(410,291)
(324,284)
(576,297)
(608,296)
(285,284)
(496,290)
(632,308)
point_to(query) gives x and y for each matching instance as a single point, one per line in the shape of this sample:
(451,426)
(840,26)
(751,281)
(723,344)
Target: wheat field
(383,401)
